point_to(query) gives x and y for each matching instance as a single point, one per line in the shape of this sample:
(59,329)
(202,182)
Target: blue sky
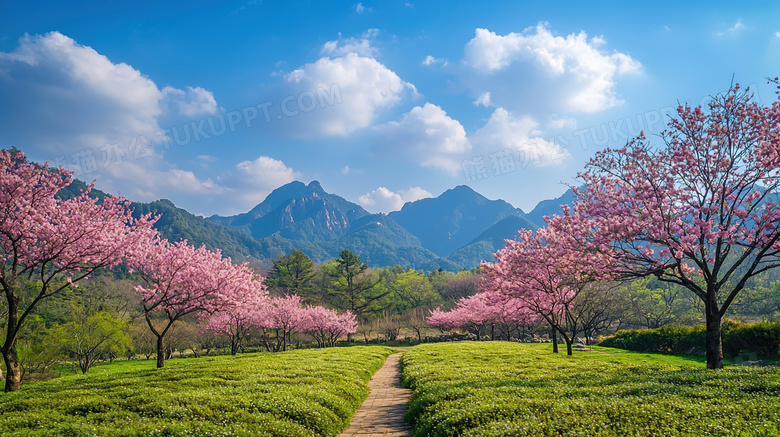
(213,105)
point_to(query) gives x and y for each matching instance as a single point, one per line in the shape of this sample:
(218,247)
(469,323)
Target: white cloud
(430,60)
(234,191)
(505,131)
(427,135)
(586,73)
(777,34)
(733,30)
(364,88)
(360,8)
(252,181)
(193,102)
(556,122)
(344,46)
(384,200)
(57,96)
(415,193)
(345,170)
(483,99)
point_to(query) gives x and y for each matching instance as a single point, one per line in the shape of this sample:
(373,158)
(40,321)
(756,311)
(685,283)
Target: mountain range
(456,230)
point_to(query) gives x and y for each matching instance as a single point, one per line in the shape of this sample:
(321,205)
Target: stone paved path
(382,413)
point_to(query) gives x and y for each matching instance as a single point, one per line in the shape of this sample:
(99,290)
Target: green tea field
(509,389)
(298,393)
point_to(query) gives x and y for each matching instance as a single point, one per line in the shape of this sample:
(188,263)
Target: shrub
(761,339)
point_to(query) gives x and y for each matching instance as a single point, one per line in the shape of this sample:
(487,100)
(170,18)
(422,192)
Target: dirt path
(382,413)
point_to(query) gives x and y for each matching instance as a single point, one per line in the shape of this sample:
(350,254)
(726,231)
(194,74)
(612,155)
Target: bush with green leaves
(297,393)
(760,339)
(511,389)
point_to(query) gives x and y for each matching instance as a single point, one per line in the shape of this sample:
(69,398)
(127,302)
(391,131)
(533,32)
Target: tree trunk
(13,376)
(714,341)
(160,352)
(555,340)
(568,347)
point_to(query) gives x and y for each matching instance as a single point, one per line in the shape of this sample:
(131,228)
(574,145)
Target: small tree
(182,280)
(240,316)
(354,289)
(293,274)
(90,336)
(546,273)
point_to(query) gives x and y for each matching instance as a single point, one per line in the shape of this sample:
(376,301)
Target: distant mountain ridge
(447,222)
(456,230)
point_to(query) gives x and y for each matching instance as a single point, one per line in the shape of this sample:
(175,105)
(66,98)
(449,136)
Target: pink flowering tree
(242,314)
(484,310)
(326,326)
(182,280)
(509,314)
(285,315)
(548,275)
(443,320)
(701,210)
(53,243)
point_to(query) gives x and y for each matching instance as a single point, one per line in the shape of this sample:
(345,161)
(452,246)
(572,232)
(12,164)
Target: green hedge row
(761,339)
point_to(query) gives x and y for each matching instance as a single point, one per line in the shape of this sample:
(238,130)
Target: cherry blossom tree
(489,308)
(53,243)
(182,280)
(244,312)
(700,210)
(548,275)
(509,314)
(285,315)
(326,326)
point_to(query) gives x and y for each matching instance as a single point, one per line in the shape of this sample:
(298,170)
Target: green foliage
(510,389)
(413,290)
(299,393)
(666,339)
(292,273)
(92,335)
(354,288)
(761,339)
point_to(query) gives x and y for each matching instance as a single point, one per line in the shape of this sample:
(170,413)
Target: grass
(510,389)
(298,393)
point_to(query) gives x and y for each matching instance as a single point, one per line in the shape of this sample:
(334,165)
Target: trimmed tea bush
(510,389)
(298,393)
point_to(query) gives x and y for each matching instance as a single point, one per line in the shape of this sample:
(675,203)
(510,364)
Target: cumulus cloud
(192,102)
(384,200)
(427,135)
(344,46)
(58,95)
(359,88)
(574,68)
(505,131)
(251,181)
